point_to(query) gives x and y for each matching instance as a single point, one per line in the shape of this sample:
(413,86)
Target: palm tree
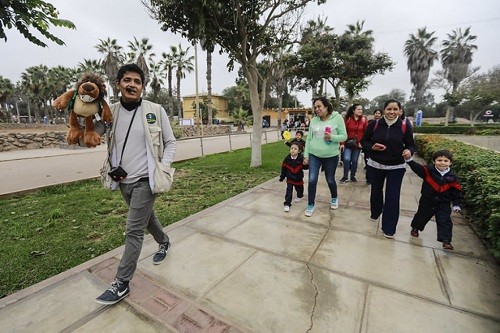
(456,57)
(208,46)
(139,51)
(89,66)
(34,84)
(183,63)
(168,63)
(421,56)
(6,90)
(113,58)
(240,117)
(59,80)
(156,70)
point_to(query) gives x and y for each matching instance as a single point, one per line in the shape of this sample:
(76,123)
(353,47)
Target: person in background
(284,127)
(440,191)
(298,140)
(326,131)
(291,169)
(386,143)
(133,148)
(377,113)
(355,124)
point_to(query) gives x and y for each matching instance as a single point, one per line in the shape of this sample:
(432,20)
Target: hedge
(492,129)
(479,172)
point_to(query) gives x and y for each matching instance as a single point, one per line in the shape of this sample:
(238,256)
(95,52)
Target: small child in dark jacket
(299,139)
(440,190)
(292,169)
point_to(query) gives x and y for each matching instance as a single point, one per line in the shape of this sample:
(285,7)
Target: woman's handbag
(351,143)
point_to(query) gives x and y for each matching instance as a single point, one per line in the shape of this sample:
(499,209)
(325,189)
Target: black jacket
(437,188)
(291,169)
(392,137)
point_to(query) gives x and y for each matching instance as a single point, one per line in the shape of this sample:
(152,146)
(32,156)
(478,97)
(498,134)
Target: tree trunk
(251,74)
(447,116)
(209,87)
(180,113)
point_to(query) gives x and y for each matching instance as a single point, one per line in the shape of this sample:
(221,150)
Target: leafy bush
(459,129)
(479,171)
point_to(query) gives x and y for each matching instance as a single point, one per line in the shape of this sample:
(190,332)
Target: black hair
(325,102)
(375,111)
(443,153)
(294,143)
(350,110)
(392,100)
(300,132)
(129,68)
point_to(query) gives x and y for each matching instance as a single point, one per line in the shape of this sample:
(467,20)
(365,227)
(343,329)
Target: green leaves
(36,14)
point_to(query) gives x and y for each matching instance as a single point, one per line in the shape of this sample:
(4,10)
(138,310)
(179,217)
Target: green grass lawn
(60,227)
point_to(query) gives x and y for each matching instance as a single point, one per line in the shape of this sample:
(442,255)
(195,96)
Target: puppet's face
(86,98)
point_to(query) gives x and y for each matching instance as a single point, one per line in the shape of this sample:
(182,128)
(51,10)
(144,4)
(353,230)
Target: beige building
(292,114)
(219,103)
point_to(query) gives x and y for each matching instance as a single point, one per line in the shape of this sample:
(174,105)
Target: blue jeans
(389,208)
(329,165)
(351,157)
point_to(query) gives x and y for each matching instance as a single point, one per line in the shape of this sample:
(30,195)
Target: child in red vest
(440,190)
(291,169)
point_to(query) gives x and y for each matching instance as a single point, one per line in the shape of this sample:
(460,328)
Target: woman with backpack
(386,140)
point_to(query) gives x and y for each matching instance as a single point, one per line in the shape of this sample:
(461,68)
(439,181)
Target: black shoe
(118,291)
(161,254)
(354,180)
(343,180)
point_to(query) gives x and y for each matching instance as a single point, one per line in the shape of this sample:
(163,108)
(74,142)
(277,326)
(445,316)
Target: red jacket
(355,128)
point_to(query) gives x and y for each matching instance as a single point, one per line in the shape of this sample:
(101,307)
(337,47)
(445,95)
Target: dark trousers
(389,208)
(289,192)
(442,211)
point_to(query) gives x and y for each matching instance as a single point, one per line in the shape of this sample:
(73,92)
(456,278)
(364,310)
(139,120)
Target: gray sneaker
(161,254)
(118,291)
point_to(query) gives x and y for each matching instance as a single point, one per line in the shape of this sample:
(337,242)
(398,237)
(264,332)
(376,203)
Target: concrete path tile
(197,263)
(473,284)
(283,297)
(388,262)
(150,246)
(214,223)
(389,311)
(291,238)
(356,220)
(44,311)
(464,239)
(124,319)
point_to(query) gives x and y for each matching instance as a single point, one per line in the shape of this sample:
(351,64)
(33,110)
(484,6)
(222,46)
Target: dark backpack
(403,126)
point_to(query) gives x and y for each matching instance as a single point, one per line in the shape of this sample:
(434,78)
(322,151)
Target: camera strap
(128,132)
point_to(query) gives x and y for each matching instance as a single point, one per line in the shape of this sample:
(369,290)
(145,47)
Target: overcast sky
(391,21)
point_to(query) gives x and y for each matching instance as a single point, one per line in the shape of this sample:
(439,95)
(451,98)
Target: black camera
(117,173)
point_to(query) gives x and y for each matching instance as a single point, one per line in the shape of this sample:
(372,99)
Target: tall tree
(113,58)
(89,66)
(183,63)
(140,53)
(37,14)
(356,60)
(34,84)
(6,91)
(157,71)
(245,29)
(456,57)
(421,56)
(168,63)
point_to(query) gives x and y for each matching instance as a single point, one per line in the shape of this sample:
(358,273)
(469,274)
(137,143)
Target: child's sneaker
(334,204)
(298,199)
(286,209)
(343,180)
(309,210)
(414,232)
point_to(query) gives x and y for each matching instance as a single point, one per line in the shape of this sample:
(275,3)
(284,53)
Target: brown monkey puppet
(85,101)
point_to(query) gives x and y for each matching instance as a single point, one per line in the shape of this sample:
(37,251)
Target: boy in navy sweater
(291,169)
(440,190)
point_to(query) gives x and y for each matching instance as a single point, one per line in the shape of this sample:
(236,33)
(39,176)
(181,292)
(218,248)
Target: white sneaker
(298,199)
(309,210)
(334,204)
(286,209)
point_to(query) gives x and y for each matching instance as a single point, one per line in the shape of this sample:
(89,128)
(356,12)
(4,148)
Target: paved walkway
(244,265)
